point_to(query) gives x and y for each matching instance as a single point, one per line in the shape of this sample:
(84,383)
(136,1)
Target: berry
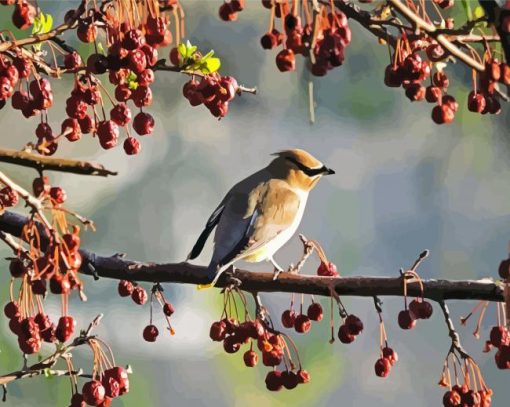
(250,358)
(432,94)
(315,312)
(93,393)
(289,379)
(139,295)
(345,335)
(354,324)
(65,328)
(120,114)
(111,386)
(143,123)
(121,376)
(231,344)
(442,114)
(303,376)
(150,333)
(302,324)
(476,102)
(288,318)
(274,380)
(86,32)
(125,288)
(504,269)
(71,128)
(11,310)
(132,146)
(268,41)
(58,195)
(108,133)
(390,354)
(285,60)
(406,319)
(327,270)
(72,60)
(382,367)
(499,336)
(168,309)
(17,268)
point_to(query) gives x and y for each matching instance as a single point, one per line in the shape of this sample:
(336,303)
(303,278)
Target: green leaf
(467,8)
(43,23)
(210,65)
(479,12)
(182,50)
(208,55)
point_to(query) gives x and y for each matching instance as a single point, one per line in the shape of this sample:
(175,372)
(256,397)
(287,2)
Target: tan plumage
(262,212)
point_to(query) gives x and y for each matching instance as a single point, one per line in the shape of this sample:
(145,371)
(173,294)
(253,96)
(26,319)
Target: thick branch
(117,267)
(40,163)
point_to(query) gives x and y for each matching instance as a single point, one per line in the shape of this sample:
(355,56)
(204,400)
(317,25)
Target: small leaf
(467,8)
(132,85)
(208,55)
(47,373)
(211,65)
(48,25)
(100,48)
(479,12)
(182,50)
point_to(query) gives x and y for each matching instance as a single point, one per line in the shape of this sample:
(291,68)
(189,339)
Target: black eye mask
(311,172)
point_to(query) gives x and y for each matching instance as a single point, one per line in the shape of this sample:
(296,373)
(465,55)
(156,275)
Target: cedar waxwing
(261,213)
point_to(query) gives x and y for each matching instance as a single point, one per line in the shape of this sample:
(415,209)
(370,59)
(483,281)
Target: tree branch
(48,363)
(41,163)
(116,267)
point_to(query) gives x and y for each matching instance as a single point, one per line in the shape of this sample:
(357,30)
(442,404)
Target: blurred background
(402,184)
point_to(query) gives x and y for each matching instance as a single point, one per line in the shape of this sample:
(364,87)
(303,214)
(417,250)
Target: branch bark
(41,163)
(116,267)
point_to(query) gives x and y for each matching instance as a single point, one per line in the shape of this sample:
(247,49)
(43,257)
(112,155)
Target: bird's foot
(277,269)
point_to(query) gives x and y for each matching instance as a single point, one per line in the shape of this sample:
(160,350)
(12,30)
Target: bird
(260,213)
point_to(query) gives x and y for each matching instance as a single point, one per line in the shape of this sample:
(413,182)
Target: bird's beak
(328,171)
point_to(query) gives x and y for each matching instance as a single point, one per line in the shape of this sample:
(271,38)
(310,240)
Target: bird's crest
(301,156)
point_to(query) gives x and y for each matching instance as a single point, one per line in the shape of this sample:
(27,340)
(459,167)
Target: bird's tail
(214,272)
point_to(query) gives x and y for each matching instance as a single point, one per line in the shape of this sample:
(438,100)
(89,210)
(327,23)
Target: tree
(127,45)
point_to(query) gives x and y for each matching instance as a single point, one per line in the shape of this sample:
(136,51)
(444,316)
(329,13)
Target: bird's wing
(209,226)
(250,221)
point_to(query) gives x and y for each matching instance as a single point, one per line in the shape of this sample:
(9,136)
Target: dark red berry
(93,392)
(150,333)
(382,367)
(250,358)
(139,295)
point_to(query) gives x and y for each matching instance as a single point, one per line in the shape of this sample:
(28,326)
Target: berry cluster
(57,266)
(214,91)
(273,345)
(323,38)
(352,326)
(418,308)
(500,339)
(302,323)
(8,198)
(229,9)
(24,13)
(384,364)
(108,381)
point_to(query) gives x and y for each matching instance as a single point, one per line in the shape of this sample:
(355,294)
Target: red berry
(86,32)
(146,77)
(142,96)
(120,114)
(143,123)
(125,288)
(303,376)
(93,392)
(452,399)
(58,195)
(122,92)
(302,324)
(121,376)
(168,309)
(218,331)
(250,358)
(274,380)
(432,94)
(175,57)
(38,286)
(137,61)
(111,386)
(499,336)
(40,186)
(11,310)
(227,13)
(442,114)
(133,39)
(65,328)
(382,367)
(17,268)
(476,102)
(23,15)
(504,269)
(406,319)
(71,128)
(150,333)
(285,60)
(345,335)
(354,324)
(72,60)
(315,312)
(139,295)
(268,41)
(289,379)
(288,318)
(390,354)
(231,344)
(132,146)
(108,134)
(327,270)
(43,131)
